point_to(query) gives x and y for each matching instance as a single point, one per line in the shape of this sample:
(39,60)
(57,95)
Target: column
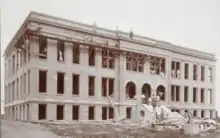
(34,48)
(25,112)
(199,113)
(84,55)
(68,75)
(190,71)
(182,70)
(21,112)
(51,111)
(199,73)
(198,98)
(52,50)
(207,114)
(206,96)
(34,81)
(68,112)
(68,53)
(98,113)
(181,94)
(190,94)
(98,79)
(206,74)
(83,115)
(33,108)
(214,88)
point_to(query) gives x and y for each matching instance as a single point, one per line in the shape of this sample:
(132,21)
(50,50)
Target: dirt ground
(17,129)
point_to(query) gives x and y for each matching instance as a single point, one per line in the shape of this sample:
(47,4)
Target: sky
(189,23)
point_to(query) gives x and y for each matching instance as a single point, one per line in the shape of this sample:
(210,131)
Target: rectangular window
(104,113)
(210,75)
(185,94)
(194,94)
(60,51)
(42,81)
(128,112)
(186,66)
(175,93)
(91,86)
(60,112)
(91,56)
(107,87)
(202,73)
(75,84)
(75,112)
(60,83)
(91,113)
(42,109)
(175,66)
(76,53)
(108,59)
(111,113)
(195,68)
(135,62)
(202,95)
(42,47)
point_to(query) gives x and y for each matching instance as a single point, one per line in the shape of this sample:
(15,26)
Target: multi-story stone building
(58,69)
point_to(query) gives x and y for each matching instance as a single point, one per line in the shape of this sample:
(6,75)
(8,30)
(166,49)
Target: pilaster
(68,112)
(51,50)
(51,111)
(98,79)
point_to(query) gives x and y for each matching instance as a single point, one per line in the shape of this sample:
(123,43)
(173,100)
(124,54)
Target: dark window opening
(42,47)
(60,51)
(135,62)
(60,83)
(202,95)
(195,113)
(128,112)
(202,73)
(104,87)
(185,94)
(60,112)
(194,72)
(75,85)
(75,112)
(194,94)
(111,87)
(202,114)
(186,71)
(111,113)
(130,90)
(42,81)
(91,56)
(104,113)
(91,112)
(42,109)
(108,59)
(91,86)
(76,53)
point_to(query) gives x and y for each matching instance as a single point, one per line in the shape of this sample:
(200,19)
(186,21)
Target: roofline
(159,42)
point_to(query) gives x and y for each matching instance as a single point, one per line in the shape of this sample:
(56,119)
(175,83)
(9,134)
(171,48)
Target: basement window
(60,83)
(60,51)
(128,112)
(76,53)
(108,59)
(194,94)
(42,109)
(202,73)
(91,113)
(91,56)
(42,81)
(75,85)
(60,111)
(91,86)
(75,112)
(185,94)
(202,95)
(42,47)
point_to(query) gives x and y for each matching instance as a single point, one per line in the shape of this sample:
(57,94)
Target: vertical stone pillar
(98,113)
(25,111)
(51,111)
(98,79)
(207,114)
(199,113)
(84,55)
(52,50)
(206,73)
(198,98)
(199,73)
(34,48)
(181,94)
(68,112)
(182,70)
(190,71)
(34,81)
(22,112)
(33,111)
(83,115)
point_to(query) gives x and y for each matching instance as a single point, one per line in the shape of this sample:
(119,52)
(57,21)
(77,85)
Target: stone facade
(22,95)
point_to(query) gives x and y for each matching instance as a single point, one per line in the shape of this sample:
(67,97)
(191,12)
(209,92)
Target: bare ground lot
(16,129)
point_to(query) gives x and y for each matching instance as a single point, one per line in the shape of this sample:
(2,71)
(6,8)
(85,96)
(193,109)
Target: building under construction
(56,69)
